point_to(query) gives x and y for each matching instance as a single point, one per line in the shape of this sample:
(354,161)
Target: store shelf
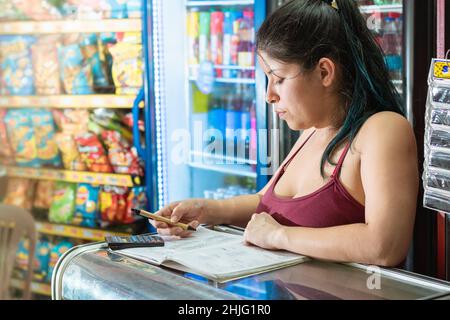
(208,157)
(69,101)
(75,231)
(230,80)
(36,287)
(220,3)
(224,67)
(382,8)
(121,180)
(70,26)
(237,170)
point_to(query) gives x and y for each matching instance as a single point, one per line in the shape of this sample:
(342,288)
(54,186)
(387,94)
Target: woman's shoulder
(386,128)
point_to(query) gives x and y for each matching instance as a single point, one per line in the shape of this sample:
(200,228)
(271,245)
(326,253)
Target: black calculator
(143,240)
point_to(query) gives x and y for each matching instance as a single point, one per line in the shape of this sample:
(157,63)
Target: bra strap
(337,169)
(295,153)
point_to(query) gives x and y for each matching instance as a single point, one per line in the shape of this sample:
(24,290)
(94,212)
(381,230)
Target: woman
(348,189)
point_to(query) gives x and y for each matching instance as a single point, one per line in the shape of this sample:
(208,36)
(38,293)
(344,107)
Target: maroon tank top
(330,205)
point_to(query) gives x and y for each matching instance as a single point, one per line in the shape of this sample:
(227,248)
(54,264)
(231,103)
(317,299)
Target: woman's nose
(271,96)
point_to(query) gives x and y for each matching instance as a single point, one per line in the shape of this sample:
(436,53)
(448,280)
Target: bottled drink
(246,40)
(193,34)
(253,132)
(205,18)
(217,20)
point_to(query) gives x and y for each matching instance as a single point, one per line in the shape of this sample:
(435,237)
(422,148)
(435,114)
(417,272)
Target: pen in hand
(163,219)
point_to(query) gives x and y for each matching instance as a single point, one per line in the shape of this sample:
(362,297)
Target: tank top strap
(295,153)
(337,169)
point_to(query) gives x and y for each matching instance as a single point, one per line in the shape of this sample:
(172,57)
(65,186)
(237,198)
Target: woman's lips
(280,113)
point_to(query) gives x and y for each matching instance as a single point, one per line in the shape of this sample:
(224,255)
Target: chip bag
(20,192)
(44,194)
(16,68)
(6,153)
(46,66)
(21,135)
(56,252)
(86,209)
(70,155)
(76,74)
(93,153)
(137,198)
(44,130)
(63,205)
(113,204)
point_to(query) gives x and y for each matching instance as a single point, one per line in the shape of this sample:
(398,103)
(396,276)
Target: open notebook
(215,255)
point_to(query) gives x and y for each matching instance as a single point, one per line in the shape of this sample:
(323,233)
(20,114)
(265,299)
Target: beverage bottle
(217,20)
(253,132)
(246,120)
(230,42)
(230,124)
(193,35)
(204,54)
(234,44)
(392,41)
(246,49)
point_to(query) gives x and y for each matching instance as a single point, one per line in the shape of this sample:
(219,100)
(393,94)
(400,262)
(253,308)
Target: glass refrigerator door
(224,99)
(385,19)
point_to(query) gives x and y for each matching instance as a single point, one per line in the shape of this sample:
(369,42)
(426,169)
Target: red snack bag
(92,153)
(113,204)
(137,198)
(123,158)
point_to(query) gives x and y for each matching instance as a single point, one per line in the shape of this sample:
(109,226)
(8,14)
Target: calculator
(143,240)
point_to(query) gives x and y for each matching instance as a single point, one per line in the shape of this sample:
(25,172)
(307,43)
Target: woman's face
(298,97)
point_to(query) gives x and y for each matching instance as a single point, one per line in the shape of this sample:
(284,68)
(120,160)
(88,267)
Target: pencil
(163,219)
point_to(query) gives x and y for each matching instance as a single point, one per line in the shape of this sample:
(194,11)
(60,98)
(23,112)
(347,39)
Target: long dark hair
(304,31)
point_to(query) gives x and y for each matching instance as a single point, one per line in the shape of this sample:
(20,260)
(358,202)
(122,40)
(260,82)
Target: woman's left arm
(390,180)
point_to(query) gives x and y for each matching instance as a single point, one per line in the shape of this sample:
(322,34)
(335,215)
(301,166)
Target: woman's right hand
(191,212)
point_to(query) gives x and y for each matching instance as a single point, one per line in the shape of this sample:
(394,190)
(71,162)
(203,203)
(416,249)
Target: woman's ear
(327,69)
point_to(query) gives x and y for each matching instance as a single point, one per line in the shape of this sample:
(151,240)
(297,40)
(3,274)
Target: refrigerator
(78,127)
(406,31)
(215,137)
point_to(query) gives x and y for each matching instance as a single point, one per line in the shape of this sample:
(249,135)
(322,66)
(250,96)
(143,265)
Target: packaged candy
(44,194)
(93,153)
(70,155)
(113,204)
(16,68)
(56,252)
(127,69)
(6,153)
(37,9)
(20,192)
(122,157)
(22,138)
(137,198)
(44,131)
(46,65)
(63,205)
(75,73)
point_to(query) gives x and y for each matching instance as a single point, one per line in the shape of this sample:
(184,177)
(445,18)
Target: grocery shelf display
(74,121)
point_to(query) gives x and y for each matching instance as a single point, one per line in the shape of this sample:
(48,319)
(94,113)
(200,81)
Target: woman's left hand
(263,231)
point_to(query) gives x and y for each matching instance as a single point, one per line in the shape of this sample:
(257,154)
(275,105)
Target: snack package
(16,68)
(90,50)
(8,12)
(63,205)
(75,73)
(93,153)
(122,157)
(113,204)
(70,155)
(39,10)
(21,136)
(127,69)
(56,252)
(44,131)
(71,121)
(20,192)
(86,209)
(41,257)
(114,9)
(46,66)
(6,153)
(109,120)
(137,198)
(44,194)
